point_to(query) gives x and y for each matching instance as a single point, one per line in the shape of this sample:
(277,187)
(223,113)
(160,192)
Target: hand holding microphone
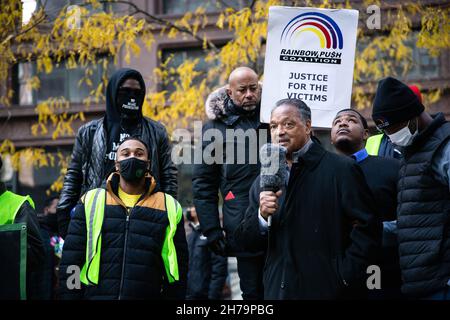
(268,204)
(273,177)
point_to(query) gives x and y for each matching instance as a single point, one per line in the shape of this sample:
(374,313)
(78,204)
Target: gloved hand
(216,242)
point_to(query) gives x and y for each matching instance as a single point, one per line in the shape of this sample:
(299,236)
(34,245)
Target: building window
(423,65)
(36,181)
(54,7)
(183,6)
(31,180)
(61,82)
(25,71)
(53,84)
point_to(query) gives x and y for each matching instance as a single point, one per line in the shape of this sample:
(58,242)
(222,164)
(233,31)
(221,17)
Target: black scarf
(232,109)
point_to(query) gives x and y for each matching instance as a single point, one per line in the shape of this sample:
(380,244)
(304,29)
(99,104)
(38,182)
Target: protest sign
(310,56)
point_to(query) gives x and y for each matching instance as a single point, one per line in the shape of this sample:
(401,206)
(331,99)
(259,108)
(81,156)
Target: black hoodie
(95,147)
(117,128)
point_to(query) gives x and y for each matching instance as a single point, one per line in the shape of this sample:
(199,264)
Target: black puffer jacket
(231,178)
(88,168)
(424,214)
(131,265)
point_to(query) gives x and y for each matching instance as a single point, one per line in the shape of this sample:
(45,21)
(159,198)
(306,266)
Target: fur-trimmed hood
(215,103)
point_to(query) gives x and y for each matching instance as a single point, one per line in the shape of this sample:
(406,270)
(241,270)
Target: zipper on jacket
(127,225)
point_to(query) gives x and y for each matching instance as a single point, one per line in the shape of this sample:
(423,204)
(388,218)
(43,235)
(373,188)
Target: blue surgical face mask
(404,137)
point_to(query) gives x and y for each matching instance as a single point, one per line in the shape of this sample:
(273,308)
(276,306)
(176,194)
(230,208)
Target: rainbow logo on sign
(325,28)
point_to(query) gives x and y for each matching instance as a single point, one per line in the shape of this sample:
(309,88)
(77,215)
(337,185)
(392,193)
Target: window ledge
(15,111)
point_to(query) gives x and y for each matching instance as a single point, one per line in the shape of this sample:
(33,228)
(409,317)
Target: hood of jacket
(116,80)
(215,105)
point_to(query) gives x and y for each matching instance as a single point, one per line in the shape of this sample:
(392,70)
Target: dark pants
(250,272)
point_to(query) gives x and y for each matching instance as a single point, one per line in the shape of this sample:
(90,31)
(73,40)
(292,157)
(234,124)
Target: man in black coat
(234,116)
(207,270)
(324,232)
(423,188)
(349,134)
(96,144)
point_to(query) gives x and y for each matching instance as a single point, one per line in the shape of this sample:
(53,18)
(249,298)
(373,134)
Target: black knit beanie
(394,102)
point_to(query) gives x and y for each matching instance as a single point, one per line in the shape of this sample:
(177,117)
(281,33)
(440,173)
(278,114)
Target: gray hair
(303,110)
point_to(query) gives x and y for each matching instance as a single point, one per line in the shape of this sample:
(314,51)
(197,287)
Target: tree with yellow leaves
(91,35)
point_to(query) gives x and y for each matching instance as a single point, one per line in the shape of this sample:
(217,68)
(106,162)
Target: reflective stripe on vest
(10,204)
(169,253)
(94,207)
(373,144)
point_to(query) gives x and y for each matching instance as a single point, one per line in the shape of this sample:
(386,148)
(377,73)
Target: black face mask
(133,169)
(129,102)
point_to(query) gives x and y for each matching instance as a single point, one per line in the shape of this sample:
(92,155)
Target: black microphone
(273,169)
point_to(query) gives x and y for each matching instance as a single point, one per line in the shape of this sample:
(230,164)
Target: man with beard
(324,231)
(96,144)
(234,110)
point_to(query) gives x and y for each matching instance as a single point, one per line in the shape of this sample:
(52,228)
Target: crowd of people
(116,231)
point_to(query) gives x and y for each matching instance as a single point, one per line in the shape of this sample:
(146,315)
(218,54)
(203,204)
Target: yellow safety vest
(10,204)
(94,207)
(373,144)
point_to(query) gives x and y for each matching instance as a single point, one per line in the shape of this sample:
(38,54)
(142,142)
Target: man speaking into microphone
(324,231)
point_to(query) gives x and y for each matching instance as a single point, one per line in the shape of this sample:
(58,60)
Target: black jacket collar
(112,185)
(232,115)
(307,161)
(312,157)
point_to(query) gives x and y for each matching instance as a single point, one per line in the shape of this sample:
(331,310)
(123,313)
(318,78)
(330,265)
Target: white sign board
(310,56)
